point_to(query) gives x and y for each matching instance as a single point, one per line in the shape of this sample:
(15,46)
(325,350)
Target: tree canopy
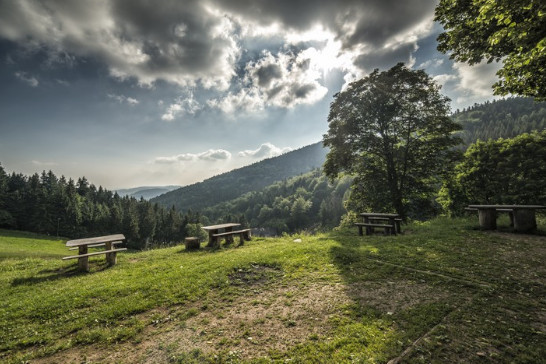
(513,31)
(502,171)
(392,131)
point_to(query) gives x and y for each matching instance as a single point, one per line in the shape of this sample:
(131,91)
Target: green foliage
(231,185)
(392,131)
(196,231)
(299,203)
(503,171)
(513,31)
(501,119)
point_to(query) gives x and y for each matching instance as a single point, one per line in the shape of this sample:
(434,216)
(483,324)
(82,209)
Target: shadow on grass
(49,275)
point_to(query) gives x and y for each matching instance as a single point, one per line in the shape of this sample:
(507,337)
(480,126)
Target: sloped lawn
(442,292)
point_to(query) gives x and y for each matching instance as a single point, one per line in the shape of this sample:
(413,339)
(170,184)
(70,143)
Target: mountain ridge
(254,177)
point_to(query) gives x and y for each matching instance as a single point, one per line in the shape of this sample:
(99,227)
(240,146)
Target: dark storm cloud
(353,21)
(268,73)
(177,42)
(200,42)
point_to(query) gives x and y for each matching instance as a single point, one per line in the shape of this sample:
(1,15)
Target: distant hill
(146,192)
(505,118)
(254,177)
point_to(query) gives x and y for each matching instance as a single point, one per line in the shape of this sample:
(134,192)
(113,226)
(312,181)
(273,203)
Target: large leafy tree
(503,171)
(392,131)
(513,31)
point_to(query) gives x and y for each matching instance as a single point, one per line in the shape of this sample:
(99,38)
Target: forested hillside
(308,201)
(501,119)
(254,177)
(53,205)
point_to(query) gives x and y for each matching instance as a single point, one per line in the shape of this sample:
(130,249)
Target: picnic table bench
(108,241)
(522,217)
(389,222)
(215,233)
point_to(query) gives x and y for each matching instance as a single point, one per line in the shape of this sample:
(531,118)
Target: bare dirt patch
(393,297)
(249,327)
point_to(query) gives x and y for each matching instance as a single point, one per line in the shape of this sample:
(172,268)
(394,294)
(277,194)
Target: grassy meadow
(442,292)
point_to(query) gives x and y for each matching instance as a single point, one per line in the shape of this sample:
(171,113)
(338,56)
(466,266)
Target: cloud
(209,155)
(26,78)
(202,42)
(475,81)
(182,43)
(124,99)
(266,150)
(183,105)
(42,164)
(283,80)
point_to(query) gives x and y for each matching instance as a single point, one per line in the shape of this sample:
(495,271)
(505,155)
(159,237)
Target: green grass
(441,292)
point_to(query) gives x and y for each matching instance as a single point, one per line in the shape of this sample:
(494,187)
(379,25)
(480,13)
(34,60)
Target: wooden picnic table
(215,229)
(371,218)
(522,216)
(84,244)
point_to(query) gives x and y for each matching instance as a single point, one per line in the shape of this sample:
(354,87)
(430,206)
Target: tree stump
(192,243)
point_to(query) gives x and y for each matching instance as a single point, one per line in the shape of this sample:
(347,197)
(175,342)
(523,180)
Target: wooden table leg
(392,223)
(524,220)
(369,229)
(211,238)
(229,238)
(110,257)
(488,218)
(83,262)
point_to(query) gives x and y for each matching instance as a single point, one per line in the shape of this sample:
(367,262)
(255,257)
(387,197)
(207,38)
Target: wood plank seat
(96,245)
(397,222)
(95,253)
(369,228)
(244,234)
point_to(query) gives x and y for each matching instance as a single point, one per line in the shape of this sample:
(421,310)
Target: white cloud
(209,155)
(431,63)
(266,150)
(183,105)
(283,81)
(443,79)
(26,78)
(475,81)
(123,99)
(43,164)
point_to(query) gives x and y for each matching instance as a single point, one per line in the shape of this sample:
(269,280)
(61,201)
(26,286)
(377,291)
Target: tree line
(44,203)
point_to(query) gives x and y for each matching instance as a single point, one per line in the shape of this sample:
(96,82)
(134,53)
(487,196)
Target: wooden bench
(507,210)
(111,251)
(97,245)
(244,234)
(397,222)
(83,255)
(389,229)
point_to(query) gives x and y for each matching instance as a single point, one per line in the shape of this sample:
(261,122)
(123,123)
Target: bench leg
(83,262)
(241,239)
(111,258)
(524,220)
(360,230)
(247,235)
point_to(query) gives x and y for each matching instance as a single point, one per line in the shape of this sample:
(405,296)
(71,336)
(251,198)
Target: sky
(145,93)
